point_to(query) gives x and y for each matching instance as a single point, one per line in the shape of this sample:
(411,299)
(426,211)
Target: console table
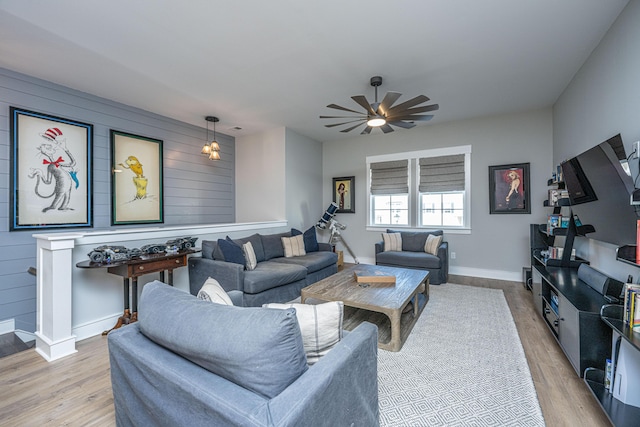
(133,268)
(571,310)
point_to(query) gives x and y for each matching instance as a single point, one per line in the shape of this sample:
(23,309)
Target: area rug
(462,365)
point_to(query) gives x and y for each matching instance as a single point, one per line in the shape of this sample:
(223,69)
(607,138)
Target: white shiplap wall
(196,190)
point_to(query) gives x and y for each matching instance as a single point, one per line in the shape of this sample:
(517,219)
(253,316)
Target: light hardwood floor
(76,390)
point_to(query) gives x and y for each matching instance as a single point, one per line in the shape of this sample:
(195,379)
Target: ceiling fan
(383,114)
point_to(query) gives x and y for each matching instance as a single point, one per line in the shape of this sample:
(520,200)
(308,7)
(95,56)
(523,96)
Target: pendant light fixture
(212,149)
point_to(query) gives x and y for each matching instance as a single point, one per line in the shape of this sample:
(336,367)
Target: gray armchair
(414,256)
(189,362)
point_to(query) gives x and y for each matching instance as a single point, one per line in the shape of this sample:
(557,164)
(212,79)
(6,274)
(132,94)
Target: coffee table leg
(395,343)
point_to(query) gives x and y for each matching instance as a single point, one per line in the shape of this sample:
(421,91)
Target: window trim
(414,180)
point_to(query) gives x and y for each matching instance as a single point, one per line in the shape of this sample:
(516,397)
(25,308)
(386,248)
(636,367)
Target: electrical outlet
(453,255)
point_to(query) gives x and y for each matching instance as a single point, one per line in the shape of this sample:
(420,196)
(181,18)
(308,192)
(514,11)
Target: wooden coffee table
(387,299)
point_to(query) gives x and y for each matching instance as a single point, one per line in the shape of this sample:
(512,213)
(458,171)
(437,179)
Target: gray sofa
(414,256)
(189,362)
(275,278)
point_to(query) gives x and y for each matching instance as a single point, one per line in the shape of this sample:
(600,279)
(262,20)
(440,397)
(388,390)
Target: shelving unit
(619,413)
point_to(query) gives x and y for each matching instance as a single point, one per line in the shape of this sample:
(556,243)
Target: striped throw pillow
(250,256)
(293,246)
(392,242)
(432,244)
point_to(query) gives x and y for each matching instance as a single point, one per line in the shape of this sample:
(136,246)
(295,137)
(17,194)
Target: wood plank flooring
(76,390)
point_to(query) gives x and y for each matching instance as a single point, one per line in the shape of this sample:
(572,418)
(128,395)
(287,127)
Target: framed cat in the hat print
(50,172)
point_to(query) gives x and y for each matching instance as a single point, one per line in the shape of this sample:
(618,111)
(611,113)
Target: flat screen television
(599,184)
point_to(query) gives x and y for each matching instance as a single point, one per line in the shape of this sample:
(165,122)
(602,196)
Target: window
(423,189)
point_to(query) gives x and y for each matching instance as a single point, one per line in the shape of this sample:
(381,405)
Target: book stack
(632,306)
(553,221)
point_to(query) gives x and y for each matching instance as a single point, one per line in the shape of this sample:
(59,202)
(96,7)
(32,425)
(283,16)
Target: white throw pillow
(212,291)
(250,256)
(293,246)
(392,241)
(321,326)
(432,244)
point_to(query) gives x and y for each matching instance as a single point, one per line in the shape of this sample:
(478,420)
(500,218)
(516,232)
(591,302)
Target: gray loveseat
(275,278)
(414,256)
(189,362)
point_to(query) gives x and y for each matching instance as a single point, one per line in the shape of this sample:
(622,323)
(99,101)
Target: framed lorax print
(50,171)
(136,183)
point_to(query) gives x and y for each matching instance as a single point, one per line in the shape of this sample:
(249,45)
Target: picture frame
(51,172)
(344,194)
(509,191)
(136,179)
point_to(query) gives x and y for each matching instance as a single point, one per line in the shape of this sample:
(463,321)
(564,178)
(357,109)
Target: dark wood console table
(133,268)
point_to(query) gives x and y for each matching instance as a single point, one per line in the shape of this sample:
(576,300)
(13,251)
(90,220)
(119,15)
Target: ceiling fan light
(376,121)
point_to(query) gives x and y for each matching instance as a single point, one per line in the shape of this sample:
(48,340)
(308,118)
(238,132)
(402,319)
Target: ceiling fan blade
(386,128)
(416,110)
(411,118)
(362,101)
(408,104)
(362,117)
(388,101)
(366,131)
(351,128)
(343,123)
(402,124)
(337,107)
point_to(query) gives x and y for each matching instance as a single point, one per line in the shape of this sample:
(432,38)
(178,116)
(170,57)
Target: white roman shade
(440,174)
(390,177)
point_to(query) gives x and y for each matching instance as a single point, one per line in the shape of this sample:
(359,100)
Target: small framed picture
(344,194)
(136,179)
(50,172)
(509,189)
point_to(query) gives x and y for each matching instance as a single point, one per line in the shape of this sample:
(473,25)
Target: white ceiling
(266,64)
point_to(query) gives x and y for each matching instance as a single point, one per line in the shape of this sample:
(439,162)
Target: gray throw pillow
(257,348)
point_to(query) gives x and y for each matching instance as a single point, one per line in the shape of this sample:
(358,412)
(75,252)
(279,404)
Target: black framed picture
(509,189)
(344,194)
(136,179)
(51,171)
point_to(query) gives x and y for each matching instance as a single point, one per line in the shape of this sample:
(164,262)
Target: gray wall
(498,245)
(603,99)
(303,181)
(196,190)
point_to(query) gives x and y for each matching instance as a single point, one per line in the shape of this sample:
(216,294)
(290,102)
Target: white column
(54,338)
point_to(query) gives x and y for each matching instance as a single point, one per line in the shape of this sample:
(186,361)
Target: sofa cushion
(256,242)
(432,244)
(320,325)
(293,246)
(310,239)
(273,245)
(231,251)
(409,259)
(259,349)
(212,291)
(271,274)
(392,241)
(313,261)
(208,246)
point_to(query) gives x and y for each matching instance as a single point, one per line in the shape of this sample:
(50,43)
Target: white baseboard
(463,271)
(486,274)
(25,336)
(96,327)
(7,326)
